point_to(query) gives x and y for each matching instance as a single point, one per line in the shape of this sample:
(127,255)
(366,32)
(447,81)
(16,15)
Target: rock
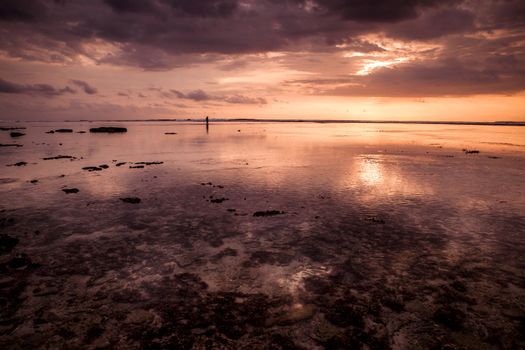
(64,130)
(6,282)
(59,157)
(110,129)
(16,134)
(81,132)
(295,314)
(343,314)
(261,257)
(120,164)
(10,145)
(6,222)
(375,220)
(450,317)
(50,132)
(136,166)
(18,164)
(170,133)
(514,314)
(394,303)
(268,213)
(91,168)
(20,261)
(223,253)
(7,243)
(473,151)
(33,181)
(103,166)
(139,316)
(70,190)
(218,200)
(131,200)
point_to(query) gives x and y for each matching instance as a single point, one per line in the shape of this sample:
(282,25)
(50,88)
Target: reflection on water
(373,236)
(371,171)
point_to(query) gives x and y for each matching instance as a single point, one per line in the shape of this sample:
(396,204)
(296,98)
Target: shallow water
(387,236)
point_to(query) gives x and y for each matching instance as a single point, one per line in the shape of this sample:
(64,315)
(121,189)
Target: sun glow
(371,65)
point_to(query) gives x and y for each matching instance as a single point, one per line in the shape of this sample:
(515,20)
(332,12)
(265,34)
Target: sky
(445,60)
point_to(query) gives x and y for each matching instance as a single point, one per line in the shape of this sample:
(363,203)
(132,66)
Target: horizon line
(259,120)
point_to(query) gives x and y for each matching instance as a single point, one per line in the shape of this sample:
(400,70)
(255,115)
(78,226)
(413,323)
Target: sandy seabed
(263,236)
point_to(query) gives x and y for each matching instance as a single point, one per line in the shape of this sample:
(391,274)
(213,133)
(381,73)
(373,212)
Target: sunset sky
(331,59)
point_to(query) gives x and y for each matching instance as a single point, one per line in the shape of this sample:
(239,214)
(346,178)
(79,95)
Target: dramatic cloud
(90,90)
(16,10)
(236,53)
(200,95)
(379,10)
(7,87)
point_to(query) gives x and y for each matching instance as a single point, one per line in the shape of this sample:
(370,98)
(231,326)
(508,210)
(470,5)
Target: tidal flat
(262,236)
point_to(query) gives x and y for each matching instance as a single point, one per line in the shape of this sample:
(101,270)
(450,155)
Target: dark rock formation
(131,200)
(16,134)
(70,190)
(120,164)
(18,164)
(136,166)
(218,200)
(7,243)
(59,157)
(10,145)
(268,213)
(91,168)
(64,130)
(20,261)
(451,317)
(375,220)
(470,151)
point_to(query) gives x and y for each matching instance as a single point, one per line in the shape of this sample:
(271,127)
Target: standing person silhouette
(207,121)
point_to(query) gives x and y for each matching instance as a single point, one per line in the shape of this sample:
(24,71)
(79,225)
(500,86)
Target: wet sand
(267,235)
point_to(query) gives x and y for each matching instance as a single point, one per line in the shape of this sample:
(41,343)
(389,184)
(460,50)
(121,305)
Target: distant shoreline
(254,120)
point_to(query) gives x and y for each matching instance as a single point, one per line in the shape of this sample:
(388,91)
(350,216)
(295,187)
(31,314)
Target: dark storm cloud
(21,10)
(7,87)
(442,77)
(379,10)
(166,34)
(88,89)
(130,5)
(434,24)
(201,8)
(149,32)
(201,96)
(204,8)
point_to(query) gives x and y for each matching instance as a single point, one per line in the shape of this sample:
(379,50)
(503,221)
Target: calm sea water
(396,225)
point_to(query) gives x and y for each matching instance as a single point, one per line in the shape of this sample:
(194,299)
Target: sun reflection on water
(371,171)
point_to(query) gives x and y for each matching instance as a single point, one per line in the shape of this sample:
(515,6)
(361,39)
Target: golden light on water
(370,171)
